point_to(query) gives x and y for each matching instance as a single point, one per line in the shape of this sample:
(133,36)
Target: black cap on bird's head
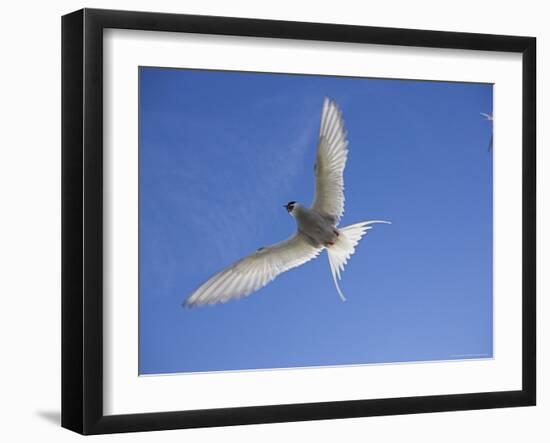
(289,206)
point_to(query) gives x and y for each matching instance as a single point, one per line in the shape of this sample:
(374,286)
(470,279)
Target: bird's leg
(331,242)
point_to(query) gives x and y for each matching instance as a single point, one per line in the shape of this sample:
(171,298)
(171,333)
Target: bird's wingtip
(187,304)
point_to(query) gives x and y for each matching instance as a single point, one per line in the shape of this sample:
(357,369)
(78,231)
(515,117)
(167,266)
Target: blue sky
(221,152)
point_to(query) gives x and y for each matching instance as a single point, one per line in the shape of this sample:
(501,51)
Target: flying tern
(490,118)
(317,226)
(487,116)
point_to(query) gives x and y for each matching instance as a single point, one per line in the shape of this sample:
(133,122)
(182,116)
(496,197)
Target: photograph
(298,221)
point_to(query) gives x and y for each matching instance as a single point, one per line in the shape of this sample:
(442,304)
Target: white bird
(316,226)
(490,118)
(487,116)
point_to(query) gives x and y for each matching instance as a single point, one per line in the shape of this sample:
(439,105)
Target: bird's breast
(314,226)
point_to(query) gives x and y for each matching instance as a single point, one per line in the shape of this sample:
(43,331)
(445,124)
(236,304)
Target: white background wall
(30,218)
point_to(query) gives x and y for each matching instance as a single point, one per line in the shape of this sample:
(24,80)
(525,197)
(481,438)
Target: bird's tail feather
(344,247)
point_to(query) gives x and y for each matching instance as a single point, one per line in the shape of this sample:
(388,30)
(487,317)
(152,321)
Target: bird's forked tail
(344,247)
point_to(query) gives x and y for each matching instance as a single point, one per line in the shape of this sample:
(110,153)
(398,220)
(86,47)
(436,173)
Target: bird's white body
(317,226)
(491,118)
(319,229)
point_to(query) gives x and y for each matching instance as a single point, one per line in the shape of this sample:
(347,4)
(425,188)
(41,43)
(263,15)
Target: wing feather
(255,271)
(332,154)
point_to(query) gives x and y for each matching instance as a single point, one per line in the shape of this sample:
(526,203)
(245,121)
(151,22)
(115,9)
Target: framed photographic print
(269,221)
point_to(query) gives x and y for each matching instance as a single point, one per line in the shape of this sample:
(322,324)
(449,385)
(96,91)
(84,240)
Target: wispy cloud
(254,174)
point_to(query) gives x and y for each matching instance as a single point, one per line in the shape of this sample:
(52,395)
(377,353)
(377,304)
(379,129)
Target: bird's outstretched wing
(487,116)
(491,118)
(332,153)
(255,271)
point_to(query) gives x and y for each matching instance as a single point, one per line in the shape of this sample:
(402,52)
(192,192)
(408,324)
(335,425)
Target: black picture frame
(82,220)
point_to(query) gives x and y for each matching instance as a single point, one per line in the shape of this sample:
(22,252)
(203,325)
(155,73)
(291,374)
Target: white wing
(332,153)
(255,271)
(487,116)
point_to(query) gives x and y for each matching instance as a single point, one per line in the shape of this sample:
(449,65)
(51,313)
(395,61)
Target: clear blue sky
(221,152)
